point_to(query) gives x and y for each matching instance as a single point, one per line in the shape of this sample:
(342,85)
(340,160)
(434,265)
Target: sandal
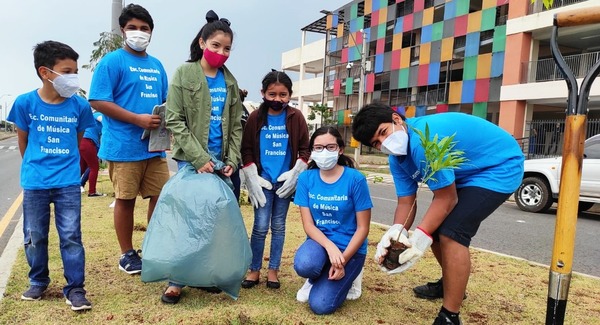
(171,297)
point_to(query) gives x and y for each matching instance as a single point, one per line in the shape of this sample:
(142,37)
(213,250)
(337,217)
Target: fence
(546,137)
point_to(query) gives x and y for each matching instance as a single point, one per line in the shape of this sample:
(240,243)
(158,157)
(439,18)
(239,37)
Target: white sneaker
(82,189)
(112,205)
(304,292)
(356,288)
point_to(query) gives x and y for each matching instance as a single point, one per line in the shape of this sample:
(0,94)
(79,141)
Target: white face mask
(396,144)
(66,85)
(137,40)
(325,159)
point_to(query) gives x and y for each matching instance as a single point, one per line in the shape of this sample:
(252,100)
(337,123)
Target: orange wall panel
(474,22)
(428,16)
(484,66)
(425,53)
(405,57)
(455,94)
(447,49)
(397,41)
(340,30)
(368,6)
(489,4)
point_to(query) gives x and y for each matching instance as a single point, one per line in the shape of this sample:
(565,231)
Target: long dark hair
(343,159)
(270,78)
(213,25)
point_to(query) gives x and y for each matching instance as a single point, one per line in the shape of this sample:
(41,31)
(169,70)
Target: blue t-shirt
(218,93)
(51,159)
(494,159)
(94,132)
(275,155)
(136,84)
(334,206)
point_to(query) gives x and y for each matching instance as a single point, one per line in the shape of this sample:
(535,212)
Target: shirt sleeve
(301,196)
(18,115)
(402,182)
(86,118)
(360,194)
(104,75)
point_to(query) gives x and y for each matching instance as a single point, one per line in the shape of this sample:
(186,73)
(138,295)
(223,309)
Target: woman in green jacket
(204,109)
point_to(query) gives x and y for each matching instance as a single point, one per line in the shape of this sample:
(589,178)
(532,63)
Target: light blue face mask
(396,144)
(66,85)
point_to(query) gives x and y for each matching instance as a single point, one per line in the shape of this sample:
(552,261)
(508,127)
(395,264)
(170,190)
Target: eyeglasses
(330,147)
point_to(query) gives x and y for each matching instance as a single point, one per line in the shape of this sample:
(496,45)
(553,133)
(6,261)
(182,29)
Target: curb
(8,257)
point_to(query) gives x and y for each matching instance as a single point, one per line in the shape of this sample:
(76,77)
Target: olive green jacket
(188,116)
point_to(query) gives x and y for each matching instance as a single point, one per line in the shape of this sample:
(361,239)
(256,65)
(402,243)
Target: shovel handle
(577,17)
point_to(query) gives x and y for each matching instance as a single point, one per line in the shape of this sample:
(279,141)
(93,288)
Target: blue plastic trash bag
(196,236)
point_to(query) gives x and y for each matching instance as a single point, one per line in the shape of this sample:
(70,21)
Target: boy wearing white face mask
(50,123)
(463,197)
(335,206)
(126,85)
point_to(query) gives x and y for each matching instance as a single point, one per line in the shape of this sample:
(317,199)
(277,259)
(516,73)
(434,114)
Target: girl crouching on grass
(335,206)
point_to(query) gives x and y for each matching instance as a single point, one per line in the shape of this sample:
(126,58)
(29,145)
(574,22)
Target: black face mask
(275,105)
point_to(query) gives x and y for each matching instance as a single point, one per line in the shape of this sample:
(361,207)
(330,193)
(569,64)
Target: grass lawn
(501,290)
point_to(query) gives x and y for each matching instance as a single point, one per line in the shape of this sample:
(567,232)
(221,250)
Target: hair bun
(211,16)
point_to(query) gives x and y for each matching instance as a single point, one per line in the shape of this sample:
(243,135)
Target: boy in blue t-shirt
(462,197)
(50,122)
(126,85)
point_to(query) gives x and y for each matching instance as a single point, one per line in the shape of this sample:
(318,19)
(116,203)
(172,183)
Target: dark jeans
(36,224)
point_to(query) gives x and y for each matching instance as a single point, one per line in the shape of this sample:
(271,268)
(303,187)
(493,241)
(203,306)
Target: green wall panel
(438,31)
(499,39)
(470,68)
(403,78)
(480,109)
(462,7)
(488,19)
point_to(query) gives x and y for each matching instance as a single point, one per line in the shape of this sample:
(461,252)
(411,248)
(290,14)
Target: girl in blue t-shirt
(274,152)
(335,206)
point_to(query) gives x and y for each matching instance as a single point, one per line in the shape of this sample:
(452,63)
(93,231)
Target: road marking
(383,199)
(10,213)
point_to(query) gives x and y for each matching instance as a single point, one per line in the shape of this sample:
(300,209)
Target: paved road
(10,164)
(511,231)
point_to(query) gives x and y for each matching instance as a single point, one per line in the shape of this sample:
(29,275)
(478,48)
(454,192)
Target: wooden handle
(577,17)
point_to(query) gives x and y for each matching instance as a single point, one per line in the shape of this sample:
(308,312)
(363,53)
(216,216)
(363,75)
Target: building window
(475,5)
(438,13)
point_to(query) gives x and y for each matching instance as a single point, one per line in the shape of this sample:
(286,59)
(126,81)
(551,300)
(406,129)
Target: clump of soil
(396,248)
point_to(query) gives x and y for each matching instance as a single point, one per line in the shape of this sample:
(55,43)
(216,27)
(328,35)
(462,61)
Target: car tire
(533,195)
(584,206)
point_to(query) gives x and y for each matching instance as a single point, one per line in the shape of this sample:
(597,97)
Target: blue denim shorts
(474,205)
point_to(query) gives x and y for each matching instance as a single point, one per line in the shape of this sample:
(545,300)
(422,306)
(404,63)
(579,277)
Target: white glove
(254,184)
(397,233)
(289,179)
(419,242)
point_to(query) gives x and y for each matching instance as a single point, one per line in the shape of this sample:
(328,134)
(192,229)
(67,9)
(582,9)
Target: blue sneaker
(130,262)
(76,299)
(34,293)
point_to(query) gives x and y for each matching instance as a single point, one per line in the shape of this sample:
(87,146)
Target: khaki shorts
(145,177)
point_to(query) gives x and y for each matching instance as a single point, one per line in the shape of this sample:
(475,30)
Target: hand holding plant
(439,154)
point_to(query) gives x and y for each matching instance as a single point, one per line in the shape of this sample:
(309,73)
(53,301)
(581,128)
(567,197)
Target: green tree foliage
(107,43)
(323,112)
(547,3)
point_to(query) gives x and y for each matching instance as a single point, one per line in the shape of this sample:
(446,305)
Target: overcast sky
(263,29)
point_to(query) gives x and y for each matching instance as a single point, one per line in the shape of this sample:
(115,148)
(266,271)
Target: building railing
(547,70)
(538,5)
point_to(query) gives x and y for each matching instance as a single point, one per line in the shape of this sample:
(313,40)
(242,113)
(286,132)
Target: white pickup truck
(540,185)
